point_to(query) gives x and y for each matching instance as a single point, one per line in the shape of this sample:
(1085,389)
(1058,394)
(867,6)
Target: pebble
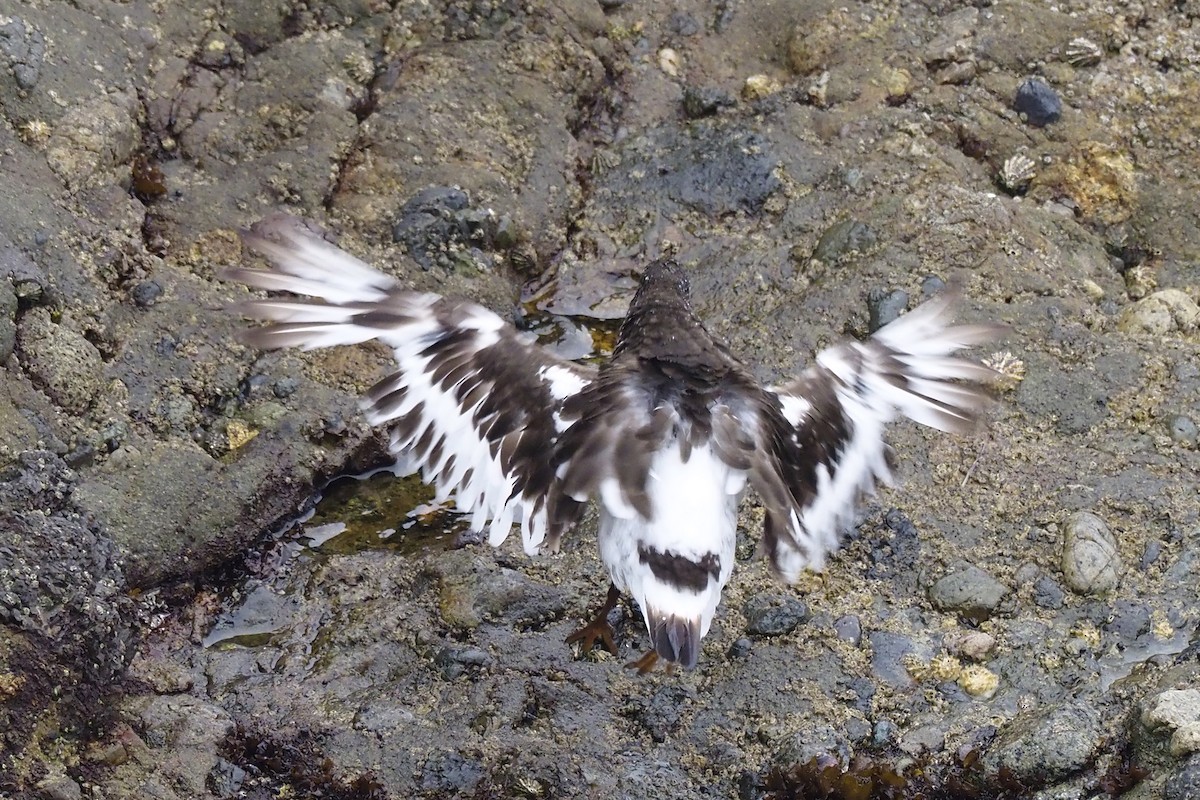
(740,648)
(1047,593)
(146,293)
(885,306)
(59,787)
(849,629)
(931,285)
(969,591)
(1182,430)
(774,615)
(973,645)
(1091,562)
(285,387)
(454,661)
(1039,104)
(847,236)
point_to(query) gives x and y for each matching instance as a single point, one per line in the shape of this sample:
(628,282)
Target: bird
(666,435)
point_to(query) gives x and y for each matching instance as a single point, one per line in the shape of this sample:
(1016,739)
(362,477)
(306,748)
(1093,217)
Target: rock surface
(814,169)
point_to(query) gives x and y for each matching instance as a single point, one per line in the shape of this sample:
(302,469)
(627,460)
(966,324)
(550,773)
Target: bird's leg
(599,628)
(648,662)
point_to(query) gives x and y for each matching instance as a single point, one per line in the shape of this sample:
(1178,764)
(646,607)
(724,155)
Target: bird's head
(663,283)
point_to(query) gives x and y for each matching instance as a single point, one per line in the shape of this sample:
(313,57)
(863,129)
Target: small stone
(885,306)
(1047,593)
(885,732)
(669,61)
(1091,562)
(849,629)
(757,87)
(1182,430)
(897,82)
(285,387)
(1037,102)
(740,648)
(774,615)
(973,645)
(1165,311)
(1176,710)
(1184,784)
(931,285)
(969,591)
(146,293)
(59,787)
(704,101)
(455,661)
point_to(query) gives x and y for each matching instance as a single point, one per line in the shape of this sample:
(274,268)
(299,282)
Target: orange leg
(648,662)
(599,628)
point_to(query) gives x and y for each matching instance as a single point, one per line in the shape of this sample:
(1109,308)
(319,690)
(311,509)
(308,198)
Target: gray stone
(774,615)
(969,591)
(885,306)
(1181,427)
(1039,103)
(1047,745)
(62,361)
(1091,561)
(847,236)
(1184,783)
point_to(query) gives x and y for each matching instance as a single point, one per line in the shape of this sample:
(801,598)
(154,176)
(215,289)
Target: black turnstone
(666,434)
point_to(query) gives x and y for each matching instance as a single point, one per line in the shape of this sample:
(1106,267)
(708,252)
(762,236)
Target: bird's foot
(598,628)
(648,662)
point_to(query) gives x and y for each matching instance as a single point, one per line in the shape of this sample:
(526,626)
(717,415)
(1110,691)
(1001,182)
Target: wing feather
(821,443)
(475,405)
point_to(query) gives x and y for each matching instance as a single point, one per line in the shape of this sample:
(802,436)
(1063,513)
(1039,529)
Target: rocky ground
(1019,616)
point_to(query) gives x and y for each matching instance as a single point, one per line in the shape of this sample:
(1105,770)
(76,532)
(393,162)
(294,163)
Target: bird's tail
(675,638)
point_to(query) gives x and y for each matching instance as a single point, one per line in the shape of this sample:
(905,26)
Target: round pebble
(884,306)
(1037,102)
(146,293)
(1182,429)
(970,591)
(774,615)
(1091,562)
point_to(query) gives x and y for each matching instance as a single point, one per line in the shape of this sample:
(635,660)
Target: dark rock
(8,320)
(439,227)
(285,387)
(1037,102)
(931,285)
(969,591)
(1047,745)
(1150,554)
(703,101)
(1184,783)
(740,648)
(1129,620)
(146,293)
(884,733)
(226,779)
(887,657)
(456,661)
(774,615)
(59,787)
(885,306)
(1047,593)
(683,24)
(25,47)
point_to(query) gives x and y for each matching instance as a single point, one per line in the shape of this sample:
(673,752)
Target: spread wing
(821,445)
(473,402)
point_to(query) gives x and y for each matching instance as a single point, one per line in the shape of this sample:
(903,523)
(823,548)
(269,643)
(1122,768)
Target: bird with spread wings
(666,435)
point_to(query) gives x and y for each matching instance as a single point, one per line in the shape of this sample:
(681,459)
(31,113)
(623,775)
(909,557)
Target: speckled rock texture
(817,168)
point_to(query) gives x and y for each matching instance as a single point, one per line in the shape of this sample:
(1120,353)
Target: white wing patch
(475,405)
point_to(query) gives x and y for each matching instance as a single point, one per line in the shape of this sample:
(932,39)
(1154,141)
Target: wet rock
(1177,712)
(226,779)
(969,591)
(704,101)
(193,732)
(524,604)
(1165,311)
(285,387)
(63,362)
(888,651)
(1076,401)
(716,169)
(1037,102)
(662,713)
(847,236)
(1129,620)
(1184,783)
(885,306)
(741,648)
(1048,745)
(774,615)
(1091,561)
